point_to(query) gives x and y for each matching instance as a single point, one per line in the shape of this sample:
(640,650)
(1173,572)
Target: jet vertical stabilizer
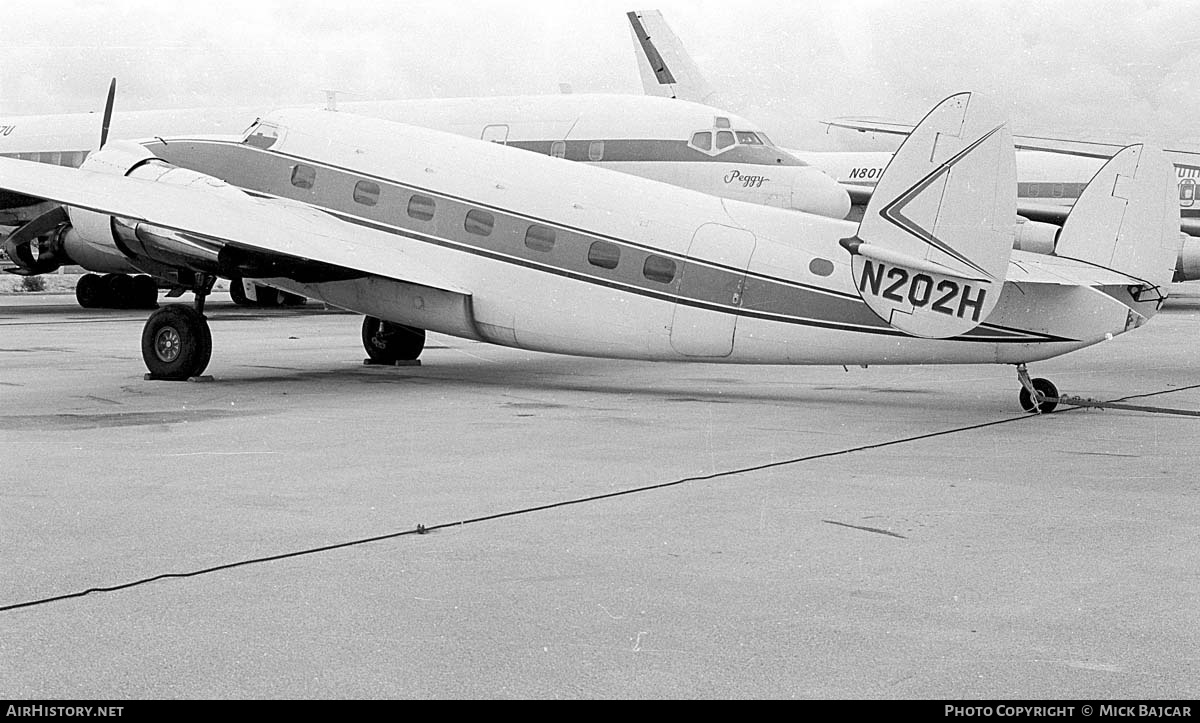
(666,70)
(932,251)
(1127,219)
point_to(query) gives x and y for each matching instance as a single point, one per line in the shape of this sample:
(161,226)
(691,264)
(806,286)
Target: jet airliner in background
(1051,173)
(684,144)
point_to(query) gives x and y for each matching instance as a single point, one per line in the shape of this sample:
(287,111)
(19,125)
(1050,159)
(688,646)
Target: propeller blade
(108,109)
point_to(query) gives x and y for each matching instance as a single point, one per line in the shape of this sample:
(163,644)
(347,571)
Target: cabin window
(558,149)
(479,223)
(303,176)
(604,254)
(747,138)
(596,151)
(724,140)
(821,267)
(703,140)
(659,268)
(539,238)
(421,208)
(366,193)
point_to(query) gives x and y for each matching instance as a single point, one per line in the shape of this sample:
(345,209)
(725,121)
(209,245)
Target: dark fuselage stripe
(764,297)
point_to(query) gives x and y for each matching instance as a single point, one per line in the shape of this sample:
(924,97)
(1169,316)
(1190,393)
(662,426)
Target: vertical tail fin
(932,251)
(666,68)
(1127,218)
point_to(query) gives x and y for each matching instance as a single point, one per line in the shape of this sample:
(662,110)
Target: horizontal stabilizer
(933,247)
(1127,218)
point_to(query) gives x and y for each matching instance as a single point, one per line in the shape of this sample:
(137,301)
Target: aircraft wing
(1062,146)
(273,228)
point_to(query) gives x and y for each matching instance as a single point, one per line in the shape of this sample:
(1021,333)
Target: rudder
(932,251)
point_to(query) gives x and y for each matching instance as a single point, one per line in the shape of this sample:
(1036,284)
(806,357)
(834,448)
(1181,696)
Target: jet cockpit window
(703,140)
(725,139)
(262,135)
(720,122)
(746,138)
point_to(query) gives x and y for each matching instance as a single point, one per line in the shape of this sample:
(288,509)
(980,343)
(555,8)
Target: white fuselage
(634,268)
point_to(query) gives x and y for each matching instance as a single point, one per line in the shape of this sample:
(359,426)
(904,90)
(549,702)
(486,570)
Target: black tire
(120,291)
(268,298)
(388,343)
(238,293)
(176,343)
(145,292)
(1048,391)
(89,291)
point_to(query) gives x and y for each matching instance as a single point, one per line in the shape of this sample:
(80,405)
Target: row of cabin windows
(558,149)
(601,254)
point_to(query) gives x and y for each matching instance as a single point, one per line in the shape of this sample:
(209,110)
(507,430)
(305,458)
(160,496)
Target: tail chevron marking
(894,211)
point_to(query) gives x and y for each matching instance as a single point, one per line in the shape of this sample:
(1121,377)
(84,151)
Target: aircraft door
(1187,192)
(495,134)
(711,293)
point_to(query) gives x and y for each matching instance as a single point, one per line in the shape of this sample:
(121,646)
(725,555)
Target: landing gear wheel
(268,298)
(176,343)
(89,291)
(1049,397)
(388,343)
(237,292)
(145,292)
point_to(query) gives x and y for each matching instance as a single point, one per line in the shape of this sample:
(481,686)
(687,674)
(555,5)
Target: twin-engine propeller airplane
(421,230)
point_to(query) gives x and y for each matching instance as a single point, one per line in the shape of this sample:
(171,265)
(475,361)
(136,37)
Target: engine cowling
(144,243)
(1187,268)
(1035,236)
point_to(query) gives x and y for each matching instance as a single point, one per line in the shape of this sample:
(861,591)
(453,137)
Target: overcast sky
(1101,69)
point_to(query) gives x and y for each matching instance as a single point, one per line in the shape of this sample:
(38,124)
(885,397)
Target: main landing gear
(388,343)
(176,341)
(117,291)
(1037,395)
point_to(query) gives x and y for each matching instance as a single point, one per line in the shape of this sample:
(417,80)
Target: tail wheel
(176,343)
(388,343)
(1048,392)
(89,291)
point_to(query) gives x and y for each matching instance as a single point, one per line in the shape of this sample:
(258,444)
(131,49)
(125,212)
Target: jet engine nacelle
(104,234)
(1035,236)
(1187,268)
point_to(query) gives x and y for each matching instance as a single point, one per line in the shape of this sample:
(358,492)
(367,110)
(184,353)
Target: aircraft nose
(815,192)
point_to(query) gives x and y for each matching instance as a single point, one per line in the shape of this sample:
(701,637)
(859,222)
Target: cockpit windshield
(746,138)
(262,135)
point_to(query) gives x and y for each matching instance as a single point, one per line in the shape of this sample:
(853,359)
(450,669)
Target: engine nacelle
(1035,236)
(1187,268)
(102,233)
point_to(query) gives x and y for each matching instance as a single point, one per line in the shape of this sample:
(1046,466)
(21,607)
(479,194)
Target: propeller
(108,109)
